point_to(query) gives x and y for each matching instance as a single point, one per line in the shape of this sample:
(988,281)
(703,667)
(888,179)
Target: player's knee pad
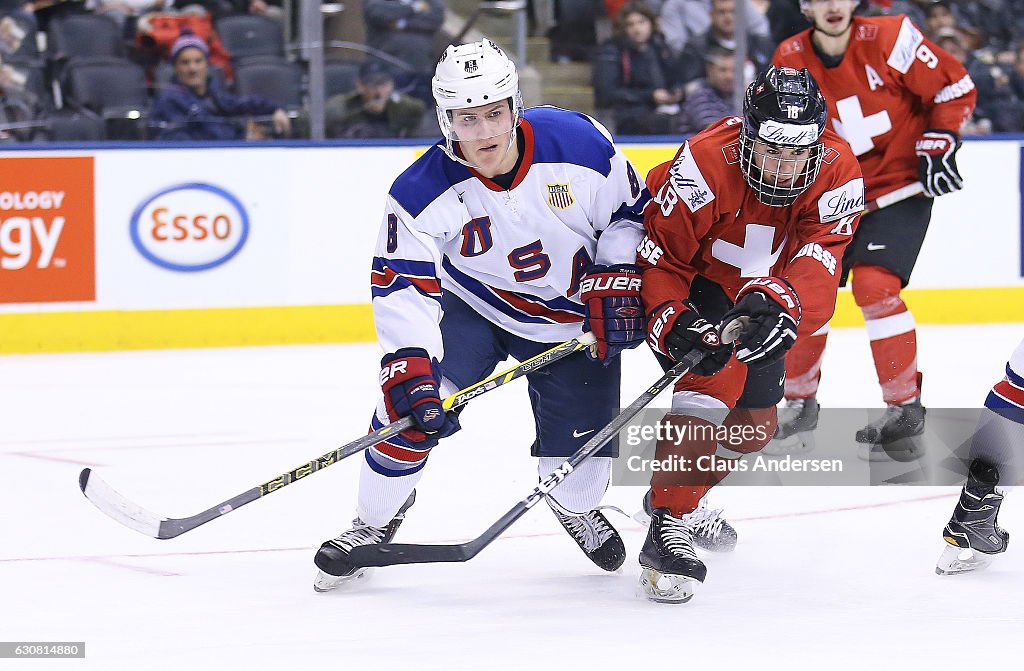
(876,286)
(584,489)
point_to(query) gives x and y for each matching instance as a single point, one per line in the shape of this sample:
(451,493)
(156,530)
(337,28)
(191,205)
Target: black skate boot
(594,534)
(795,431)
(670,568)
(892,435)
(711,531)
(332,557)
(973,534)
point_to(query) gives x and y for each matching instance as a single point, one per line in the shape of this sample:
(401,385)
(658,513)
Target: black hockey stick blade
(390,554)
(122,510)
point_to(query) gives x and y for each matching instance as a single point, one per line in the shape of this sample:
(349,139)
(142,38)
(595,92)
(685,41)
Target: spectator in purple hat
(197,107)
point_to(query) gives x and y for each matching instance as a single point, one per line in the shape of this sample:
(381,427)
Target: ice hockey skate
(594,534)
(973,535)
(892,435)
(670,569)
(711,531)
(332,557)
(795,431)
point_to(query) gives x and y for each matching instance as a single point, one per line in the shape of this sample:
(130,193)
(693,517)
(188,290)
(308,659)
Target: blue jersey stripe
(484,293)
(405,267)
(1015,379)
(371,459)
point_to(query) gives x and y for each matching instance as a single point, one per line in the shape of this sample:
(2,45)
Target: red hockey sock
(892,332)
(711,451)
(803,365)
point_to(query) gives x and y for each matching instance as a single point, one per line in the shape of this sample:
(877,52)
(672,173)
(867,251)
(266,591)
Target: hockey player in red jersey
(750,220)
(899,100)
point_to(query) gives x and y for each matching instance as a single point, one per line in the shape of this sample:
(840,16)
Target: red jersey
(705,220)
(891,84)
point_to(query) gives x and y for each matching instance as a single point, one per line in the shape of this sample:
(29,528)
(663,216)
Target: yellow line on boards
(104,330)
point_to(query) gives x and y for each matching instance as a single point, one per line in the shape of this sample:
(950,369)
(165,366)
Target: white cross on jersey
(858,129)
(756,257)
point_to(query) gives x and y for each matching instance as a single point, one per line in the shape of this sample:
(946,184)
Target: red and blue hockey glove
(675,329)
(411,384)
(936,162)
(774,311)
(614,312)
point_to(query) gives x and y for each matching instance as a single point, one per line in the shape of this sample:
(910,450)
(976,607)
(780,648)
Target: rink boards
(141,247)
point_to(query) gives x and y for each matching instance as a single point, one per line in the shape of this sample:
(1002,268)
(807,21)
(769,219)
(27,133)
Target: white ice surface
(178,431)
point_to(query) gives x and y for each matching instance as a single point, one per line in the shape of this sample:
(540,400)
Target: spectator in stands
(374,109)
(17,25)
(635,75)
(269,8)
(197,107)
(722,33)
(574,35)
(992,90)
(991,19)
(785,19)
(406,29)
(683,20)
(712,99)
(938,16)
(127,12)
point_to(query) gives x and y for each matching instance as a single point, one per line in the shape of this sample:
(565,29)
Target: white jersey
(515,256)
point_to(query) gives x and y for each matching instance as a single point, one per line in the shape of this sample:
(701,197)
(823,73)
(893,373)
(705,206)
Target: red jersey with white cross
(705,220)
(891,84)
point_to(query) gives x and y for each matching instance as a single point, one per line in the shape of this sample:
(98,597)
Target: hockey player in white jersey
(517,232)
(972,534)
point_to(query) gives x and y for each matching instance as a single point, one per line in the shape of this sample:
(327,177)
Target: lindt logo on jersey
(784,133)
(844,203)
(190,227)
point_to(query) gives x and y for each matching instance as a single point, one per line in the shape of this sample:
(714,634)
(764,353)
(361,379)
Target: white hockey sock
(380,496)
(584,487)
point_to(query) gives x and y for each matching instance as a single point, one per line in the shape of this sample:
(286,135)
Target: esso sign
(190,227)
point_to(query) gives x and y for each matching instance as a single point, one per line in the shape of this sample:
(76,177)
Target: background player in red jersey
(750,220)
(899,100)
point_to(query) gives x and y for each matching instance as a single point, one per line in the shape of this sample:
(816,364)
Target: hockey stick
(120,509)
(389,554)
(893,197)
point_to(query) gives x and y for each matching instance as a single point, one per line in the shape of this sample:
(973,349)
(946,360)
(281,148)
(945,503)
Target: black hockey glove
(615,315)
(675,329)
(772,306)
(936,162)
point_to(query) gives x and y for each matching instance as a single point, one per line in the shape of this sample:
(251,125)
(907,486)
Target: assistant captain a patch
(559,196)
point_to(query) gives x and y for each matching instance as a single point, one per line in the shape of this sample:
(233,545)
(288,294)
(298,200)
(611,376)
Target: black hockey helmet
(782,110)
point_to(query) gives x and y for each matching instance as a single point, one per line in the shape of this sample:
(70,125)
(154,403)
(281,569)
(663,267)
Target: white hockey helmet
(470,75)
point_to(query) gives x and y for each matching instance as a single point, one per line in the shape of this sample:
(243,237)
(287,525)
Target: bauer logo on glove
(614,311)
(936,162)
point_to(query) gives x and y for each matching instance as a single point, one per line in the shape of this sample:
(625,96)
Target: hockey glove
(774,311)
(411,384)
(675,330)
(936,162)
(614,313)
